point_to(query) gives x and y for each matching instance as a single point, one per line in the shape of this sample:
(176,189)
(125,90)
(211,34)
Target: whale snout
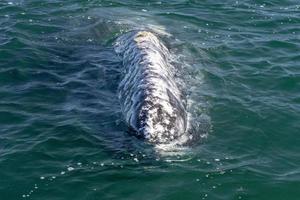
(151,102)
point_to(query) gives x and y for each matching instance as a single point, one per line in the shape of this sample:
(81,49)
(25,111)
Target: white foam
(70,168)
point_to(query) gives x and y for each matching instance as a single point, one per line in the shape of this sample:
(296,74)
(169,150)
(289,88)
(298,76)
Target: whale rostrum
(151,101)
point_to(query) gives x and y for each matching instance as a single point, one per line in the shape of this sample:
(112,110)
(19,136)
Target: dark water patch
(12,75)
(11,118)
(37,28)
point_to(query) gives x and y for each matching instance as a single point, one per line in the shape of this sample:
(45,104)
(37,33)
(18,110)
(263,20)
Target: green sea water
(62,136)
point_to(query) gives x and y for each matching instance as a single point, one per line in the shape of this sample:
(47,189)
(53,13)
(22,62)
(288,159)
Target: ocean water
(61,130)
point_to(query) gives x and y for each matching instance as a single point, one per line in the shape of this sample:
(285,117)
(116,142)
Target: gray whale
(151,101)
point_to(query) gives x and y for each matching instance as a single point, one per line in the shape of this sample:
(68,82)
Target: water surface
(62,135)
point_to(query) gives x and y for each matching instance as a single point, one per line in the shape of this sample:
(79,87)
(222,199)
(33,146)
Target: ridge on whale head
(151,101)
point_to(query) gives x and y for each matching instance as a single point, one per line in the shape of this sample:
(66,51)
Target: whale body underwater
(152,104)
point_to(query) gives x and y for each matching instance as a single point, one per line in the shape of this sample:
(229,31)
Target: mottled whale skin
(151,101)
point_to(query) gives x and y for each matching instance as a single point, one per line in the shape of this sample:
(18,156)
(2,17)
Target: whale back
(150,99)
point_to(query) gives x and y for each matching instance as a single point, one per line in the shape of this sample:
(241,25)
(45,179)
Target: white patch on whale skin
(150,99)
